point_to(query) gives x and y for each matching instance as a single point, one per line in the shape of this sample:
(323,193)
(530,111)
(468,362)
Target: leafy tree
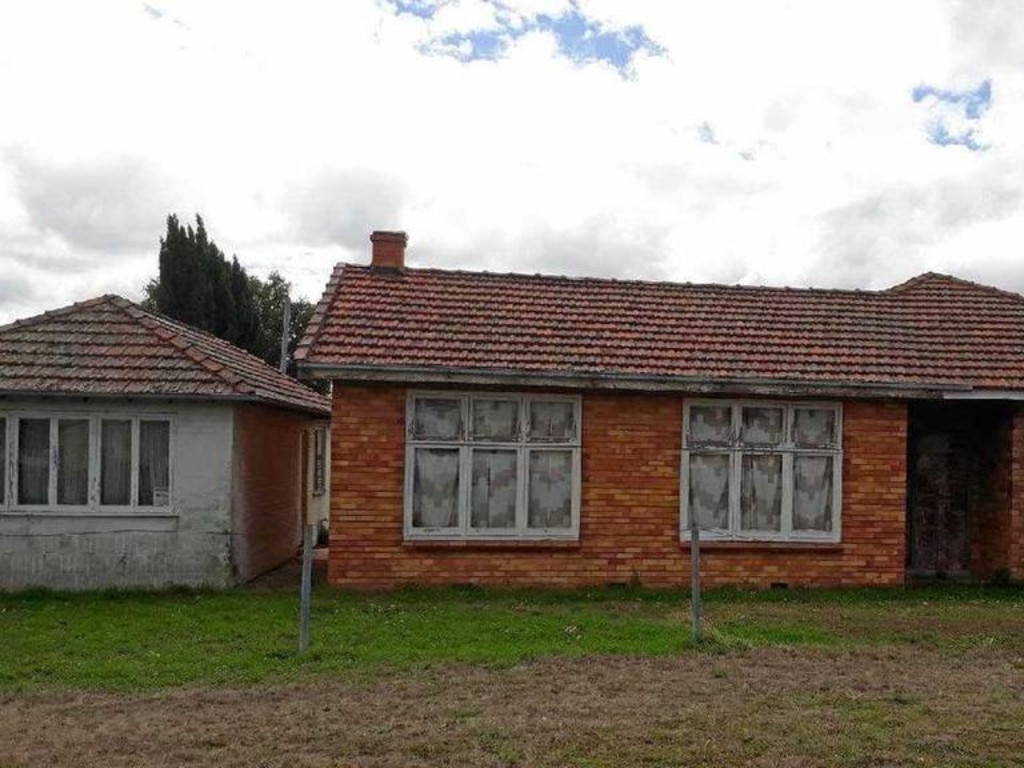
(197,285)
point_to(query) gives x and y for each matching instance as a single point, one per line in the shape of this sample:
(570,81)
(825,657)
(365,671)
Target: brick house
(139,452)
(528,429)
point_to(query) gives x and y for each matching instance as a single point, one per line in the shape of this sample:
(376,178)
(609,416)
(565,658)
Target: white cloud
(296,128)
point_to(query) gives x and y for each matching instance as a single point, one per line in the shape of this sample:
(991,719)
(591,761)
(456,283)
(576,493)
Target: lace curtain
(812,493)
(550,497)
(435,496)
(709,490)
(761,492)
(552,421)
(493,498)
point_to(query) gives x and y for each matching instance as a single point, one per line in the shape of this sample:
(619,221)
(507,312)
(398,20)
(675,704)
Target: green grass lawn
(139,641)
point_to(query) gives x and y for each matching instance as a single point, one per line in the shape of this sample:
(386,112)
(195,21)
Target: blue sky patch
(579,38)
(424,9)
(974,102)
(957,111)
(583,40)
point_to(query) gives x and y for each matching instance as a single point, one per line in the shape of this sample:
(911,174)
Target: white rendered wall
(187,544)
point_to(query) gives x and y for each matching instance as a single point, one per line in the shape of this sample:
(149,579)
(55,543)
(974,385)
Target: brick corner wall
(267,488)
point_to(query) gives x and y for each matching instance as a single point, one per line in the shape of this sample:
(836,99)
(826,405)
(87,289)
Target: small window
(154,463)
(33,461)
(319,461)
(511,471)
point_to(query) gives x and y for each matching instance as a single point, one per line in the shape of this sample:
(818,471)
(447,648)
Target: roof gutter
(622,382)
(324,412)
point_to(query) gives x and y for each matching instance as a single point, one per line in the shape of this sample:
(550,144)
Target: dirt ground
(764,707)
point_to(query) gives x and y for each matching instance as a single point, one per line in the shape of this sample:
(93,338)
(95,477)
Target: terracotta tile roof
(934,331)
(110,346)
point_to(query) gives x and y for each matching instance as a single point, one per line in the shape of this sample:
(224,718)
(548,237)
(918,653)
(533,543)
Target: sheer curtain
(709,490)
(116,462)
(435,488)
(550,497)
(154,463)
(552,421)
(73,461)
(493,500)
(812,493)
(33,461)
(761,492)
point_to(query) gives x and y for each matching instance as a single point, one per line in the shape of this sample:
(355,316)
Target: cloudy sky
(785,142)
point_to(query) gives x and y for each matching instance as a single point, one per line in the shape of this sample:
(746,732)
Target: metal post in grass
(308,532)
(695,623)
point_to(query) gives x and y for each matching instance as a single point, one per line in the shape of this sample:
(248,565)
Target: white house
(139,452)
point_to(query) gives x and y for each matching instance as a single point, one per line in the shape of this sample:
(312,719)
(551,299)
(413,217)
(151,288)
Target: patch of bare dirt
(761,708)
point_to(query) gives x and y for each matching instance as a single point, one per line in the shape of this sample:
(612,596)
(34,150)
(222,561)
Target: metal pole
(695,623)
(308,532)
(286,321)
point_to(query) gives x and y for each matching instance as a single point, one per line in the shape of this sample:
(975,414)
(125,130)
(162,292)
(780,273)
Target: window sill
(490,545)
(724,545)
(86,512)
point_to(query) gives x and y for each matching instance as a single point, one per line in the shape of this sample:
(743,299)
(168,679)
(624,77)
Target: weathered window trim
(9,503)
(466,445)
(735,450)
(320,439)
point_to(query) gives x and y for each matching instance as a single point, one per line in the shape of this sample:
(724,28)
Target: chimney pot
(388,249)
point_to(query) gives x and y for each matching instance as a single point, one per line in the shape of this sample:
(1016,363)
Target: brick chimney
(388,249)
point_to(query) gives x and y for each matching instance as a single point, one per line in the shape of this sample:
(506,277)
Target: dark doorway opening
(957,466)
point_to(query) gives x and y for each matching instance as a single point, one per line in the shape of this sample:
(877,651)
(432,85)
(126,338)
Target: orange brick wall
(629,526)
(266,492)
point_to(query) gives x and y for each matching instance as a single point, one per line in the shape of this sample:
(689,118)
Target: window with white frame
(84,462)
(492,466)
(762,470)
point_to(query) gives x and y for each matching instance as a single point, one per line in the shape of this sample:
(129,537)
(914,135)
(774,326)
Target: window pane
(762,426)
(33,461)
(812,493)
(496,420)
(552,421)
(710,425)
(761,492)
(3,461)
(814,427)
(709,490)
(116,462)
(493,502)
(437,419)
(154,463)
(73,461)
(435,488)
(550,502)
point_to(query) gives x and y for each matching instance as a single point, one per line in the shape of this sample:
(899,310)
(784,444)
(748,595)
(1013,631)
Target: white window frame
(735,450)
(465,446)
(9,504)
